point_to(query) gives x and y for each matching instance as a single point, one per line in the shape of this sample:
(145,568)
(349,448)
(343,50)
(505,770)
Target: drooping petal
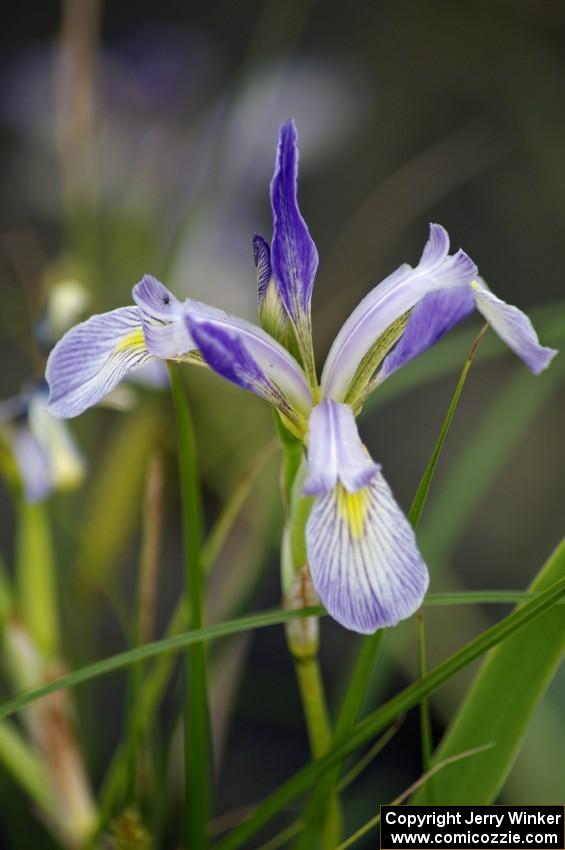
(92,358)
(162,316)
(294,257)
(335,452)
(514,327)
(244,354)
(390,303)
(435,315)
(362,551)
(363,557)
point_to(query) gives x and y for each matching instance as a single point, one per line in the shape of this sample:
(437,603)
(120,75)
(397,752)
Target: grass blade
(361,676)
(386,714)
(196,721)
(500,702)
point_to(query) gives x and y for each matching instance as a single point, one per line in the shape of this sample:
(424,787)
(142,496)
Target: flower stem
(414,516)
(196,722)
(314,704)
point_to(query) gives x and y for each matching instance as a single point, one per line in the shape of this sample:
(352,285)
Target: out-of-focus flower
(68,300)
(362,551)
(46,455)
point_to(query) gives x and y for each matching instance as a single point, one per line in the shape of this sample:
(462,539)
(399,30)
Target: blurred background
(140,138)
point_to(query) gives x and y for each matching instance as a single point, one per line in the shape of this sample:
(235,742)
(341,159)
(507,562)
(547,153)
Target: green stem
(382,717)
(425,719)
(314,704)
(196,721)
(318,725)
(414,516)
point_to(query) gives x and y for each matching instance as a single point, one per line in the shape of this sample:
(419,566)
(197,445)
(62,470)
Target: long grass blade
(196,721)
(386,714)
(361,675)
(500,703)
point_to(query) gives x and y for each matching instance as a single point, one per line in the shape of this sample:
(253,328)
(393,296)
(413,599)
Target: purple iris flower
(45,453)
(362,552)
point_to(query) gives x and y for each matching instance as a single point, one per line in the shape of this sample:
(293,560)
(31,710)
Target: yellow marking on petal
(136,339)
(352,509)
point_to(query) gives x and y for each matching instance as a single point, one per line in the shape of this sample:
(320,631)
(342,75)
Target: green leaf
(36,578)
(386,714)
(473,472)
(18,757)
(178,642)
(175,643)
(442,359)
(112,507)
(365,662)
(500,703)
(196,721)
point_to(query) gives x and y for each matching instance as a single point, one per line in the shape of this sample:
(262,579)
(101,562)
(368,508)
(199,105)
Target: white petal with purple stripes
(514,328)
(387,303)
(363,557)
(92,358)
(241,352)
(162,316)
(362,551)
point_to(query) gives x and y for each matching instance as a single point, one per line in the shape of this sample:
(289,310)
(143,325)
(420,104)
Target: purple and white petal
(294,258)
(92,358)
(244,354)
(335,451)
(162,316)
(262,260)
(388,302)
(436,314)
(33,464)
(363,557)
(514,328)
(67,466)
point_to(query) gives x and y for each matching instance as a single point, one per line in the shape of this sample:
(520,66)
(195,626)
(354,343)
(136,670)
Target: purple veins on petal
(165,331)
(514,328)
(387,303)
(92,358)
(335,451)
(363,557)
(244,354)
(262,260)
(436,314)
(362,551)
(294,257)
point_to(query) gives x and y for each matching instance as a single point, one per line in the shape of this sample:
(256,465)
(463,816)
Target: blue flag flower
(362,552)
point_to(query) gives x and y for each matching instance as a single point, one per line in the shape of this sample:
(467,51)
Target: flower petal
(162,314)
(363,557)
(66,463)
(294,257)
(514,327)
(436,314)
(33,464)
(387,303)
(91,358)
(244,354)
(335,451)
(262,260)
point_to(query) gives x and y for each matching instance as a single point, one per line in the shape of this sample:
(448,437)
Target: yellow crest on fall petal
(352,509)
(136,339)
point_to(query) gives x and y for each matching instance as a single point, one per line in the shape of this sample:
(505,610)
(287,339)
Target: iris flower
(45,453)
(362,552)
